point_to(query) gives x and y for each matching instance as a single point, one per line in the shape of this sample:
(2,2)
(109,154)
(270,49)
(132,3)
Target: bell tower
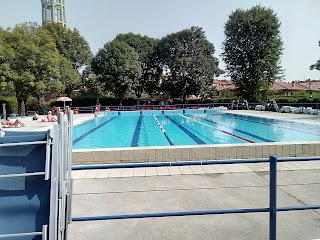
(53,11)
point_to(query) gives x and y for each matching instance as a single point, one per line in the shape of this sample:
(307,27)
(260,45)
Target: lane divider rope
(229,133)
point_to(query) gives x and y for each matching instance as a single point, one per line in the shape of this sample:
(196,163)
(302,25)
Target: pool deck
(38,125)
(188,188)
(80,118)
(146,190)
(304,118)
(97,194)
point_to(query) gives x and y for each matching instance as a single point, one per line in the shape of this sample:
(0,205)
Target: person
(98,106)
(96,115)
(51,118)
(107,109)
(35,116)
(54,111)
(10,123)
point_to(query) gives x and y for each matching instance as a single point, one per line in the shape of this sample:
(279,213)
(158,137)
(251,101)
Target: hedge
(82,101)
(11,105)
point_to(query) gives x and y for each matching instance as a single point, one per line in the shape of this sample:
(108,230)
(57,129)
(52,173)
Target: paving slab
(196,192)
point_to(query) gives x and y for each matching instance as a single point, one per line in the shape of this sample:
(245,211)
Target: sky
(99,21)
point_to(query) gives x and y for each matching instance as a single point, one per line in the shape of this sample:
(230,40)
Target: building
(53,11)
(280,88)
(223,85)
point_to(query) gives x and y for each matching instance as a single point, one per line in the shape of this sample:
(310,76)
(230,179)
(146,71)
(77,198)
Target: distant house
(223,85)
(287,89)
(281,88)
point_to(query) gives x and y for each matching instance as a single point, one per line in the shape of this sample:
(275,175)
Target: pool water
(190,127)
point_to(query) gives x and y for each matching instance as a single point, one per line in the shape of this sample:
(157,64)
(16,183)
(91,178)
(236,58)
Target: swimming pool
(189,127)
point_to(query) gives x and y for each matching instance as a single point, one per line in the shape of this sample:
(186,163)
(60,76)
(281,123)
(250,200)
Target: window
(48,14)
(59,15)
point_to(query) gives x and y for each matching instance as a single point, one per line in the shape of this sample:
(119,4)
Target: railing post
(273,199)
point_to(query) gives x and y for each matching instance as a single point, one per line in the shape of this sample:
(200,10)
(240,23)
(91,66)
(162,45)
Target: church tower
(53,11)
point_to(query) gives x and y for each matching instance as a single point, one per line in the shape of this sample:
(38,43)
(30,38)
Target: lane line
(268,124)
(234,135)
(162,130)
(237,130)
(136,134)
(92,130)
(190,134)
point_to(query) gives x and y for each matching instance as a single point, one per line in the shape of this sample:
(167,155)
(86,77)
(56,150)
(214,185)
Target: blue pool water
(190,127)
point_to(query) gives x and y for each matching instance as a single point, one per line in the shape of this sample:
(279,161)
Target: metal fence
(92,109)
(272,209)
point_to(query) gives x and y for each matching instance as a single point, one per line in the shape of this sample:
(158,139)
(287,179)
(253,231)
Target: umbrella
(64,100)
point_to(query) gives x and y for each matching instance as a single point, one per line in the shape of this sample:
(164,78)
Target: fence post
(273,199)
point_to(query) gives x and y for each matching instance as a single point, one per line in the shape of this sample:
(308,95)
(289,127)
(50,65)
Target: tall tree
(117,65)
(187,59)
(74,48)
(33,63)
(144,46)
(316,65)
(6,54)
(252,50)
(90,84)
(70,44)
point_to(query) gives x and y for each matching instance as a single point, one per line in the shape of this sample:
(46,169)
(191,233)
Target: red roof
(289,86)
(293,86)
(312,85)
(223,84)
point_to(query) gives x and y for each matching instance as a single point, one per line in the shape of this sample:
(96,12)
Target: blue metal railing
(272,209)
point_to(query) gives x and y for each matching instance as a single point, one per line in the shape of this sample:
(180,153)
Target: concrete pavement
(108,196)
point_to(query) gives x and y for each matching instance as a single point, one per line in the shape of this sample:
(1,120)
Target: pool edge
(195,152)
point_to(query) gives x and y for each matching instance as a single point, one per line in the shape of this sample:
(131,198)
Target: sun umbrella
(64,100)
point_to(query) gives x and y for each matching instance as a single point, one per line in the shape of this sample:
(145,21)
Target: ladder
(275,105)
(246,104)
(232,105)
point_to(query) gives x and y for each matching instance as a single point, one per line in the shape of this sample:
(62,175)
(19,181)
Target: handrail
(190,163)
(21,235)
(17,235)
(22,143)
(272,209)
(92,109)
(22,174)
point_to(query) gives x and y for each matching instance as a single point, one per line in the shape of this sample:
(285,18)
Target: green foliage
(11,104)
(90,84)
(69,77)
(316,65)
(32,104)
(91,100)
(70,44)
(228,93)
(32,62)
(144,46)
(117,66)
(76,55)
(187,59)
(252,50)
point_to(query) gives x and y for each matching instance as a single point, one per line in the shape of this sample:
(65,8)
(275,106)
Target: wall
(197,152)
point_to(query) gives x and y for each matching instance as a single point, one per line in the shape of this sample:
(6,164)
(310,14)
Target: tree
(6,53)
(33,62)
(252,50)
(144,46)
(90,84)
(316,65)
(117,65)
(70,44)
(186,63)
